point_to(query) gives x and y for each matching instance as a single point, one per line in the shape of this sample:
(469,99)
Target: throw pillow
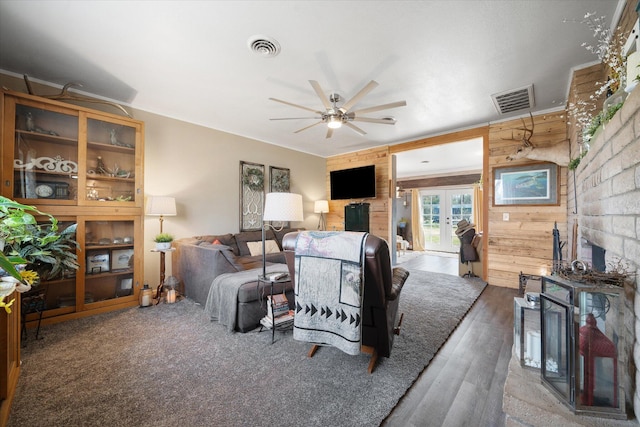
(216,242)
(270,247)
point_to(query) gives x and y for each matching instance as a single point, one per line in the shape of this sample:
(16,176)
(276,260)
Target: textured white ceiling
(189,59)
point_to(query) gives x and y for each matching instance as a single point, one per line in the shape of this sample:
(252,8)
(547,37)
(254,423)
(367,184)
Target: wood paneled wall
(525,242)
(380,210)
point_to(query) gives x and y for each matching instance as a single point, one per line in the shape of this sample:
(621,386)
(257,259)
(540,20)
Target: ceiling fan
(335,116)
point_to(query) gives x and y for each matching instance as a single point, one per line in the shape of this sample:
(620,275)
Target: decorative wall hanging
(534,184)
(279,180)
(251,195)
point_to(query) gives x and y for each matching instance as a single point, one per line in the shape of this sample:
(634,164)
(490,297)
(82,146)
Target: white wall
(200,167)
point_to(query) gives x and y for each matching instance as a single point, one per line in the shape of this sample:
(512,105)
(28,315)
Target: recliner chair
(382,287)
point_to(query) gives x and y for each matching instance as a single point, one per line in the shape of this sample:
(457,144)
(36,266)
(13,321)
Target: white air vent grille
(264,46)
(514,100)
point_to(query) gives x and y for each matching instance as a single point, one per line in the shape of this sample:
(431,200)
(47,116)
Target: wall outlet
(505,216)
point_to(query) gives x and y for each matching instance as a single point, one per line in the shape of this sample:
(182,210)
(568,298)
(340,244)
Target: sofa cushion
(224,239)
(270,247)
(250,236)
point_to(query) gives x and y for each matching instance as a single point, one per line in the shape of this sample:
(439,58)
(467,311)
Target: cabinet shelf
(50,173)
(110,147)
(112,273)
(97,177)
(95,246)
(43,137)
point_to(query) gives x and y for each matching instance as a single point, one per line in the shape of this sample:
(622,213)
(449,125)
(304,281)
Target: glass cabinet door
(109,259)
(111,169)
(45,155)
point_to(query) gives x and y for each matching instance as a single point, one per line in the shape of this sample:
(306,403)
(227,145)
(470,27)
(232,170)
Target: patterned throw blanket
(329,287)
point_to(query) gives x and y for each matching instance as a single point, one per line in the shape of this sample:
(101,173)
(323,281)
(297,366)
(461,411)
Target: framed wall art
(251,195)
(121,259)
(279,180)
(533,184)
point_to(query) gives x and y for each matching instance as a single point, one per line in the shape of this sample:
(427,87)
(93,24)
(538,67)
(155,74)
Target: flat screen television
(354,183)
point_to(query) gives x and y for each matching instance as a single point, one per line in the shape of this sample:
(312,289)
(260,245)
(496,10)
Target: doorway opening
(436,187)
(442,209)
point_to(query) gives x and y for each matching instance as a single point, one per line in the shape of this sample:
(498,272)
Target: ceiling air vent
(514,100)
(264,46)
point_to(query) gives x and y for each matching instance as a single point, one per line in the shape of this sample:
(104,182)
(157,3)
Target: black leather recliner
(383,285)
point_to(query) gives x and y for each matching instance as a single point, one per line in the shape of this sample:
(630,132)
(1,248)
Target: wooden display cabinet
(82,166)
(9,356)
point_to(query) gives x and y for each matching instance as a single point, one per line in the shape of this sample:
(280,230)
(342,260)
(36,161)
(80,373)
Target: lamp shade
(283,207)
(321,206)
(161,205)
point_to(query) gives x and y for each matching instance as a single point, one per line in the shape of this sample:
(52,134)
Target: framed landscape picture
(534,184)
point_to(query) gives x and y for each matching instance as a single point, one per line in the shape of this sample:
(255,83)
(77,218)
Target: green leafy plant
(608,46)
(17,220)
(48,251)
(573,164)
(163,238)
(30,251)
(599,119)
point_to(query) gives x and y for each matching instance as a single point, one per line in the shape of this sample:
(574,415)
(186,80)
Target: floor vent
(514,100)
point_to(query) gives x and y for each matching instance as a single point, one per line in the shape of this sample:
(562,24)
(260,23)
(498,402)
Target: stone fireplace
(606,210)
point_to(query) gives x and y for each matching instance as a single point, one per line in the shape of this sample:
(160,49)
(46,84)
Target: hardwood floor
(463,384)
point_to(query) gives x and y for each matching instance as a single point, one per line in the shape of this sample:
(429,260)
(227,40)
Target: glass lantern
(526,333)
(146,296)
(582,345)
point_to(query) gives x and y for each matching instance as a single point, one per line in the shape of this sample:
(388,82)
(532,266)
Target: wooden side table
(162,271)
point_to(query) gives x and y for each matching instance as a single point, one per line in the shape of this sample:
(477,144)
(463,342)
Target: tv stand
(356,217)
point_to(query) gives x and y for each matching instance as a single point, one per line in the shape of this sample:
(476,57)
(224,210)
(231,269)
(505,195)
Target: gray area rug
(169,365)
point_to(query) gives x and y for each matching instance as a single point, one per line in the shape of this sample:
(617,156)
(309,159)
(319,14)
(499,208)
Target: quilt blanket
(329,289)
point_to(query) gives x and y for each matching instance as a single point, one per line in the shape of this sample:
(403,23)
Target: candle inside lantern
(171,296)
(146,294)
(534,348)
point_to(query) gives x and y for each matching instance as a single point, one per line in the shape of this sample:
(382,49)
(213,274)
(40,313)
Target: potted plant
(163,241)
(30,251)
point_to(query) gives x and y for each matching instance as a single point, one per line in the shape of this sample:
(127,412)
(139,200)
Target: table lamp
(161,206)
(279,207)
(321,207)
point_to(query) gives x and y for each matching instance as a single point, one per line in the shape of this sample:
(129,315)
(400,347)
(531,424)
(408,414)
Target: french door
(441,212)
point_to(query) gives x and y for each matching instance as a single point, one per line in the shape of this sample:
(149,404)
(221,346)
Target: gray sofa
(198,260)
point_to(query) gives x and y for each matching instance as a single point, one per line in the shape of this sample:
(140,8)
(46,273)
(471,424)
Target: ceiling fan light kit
(335,116)
(334,122)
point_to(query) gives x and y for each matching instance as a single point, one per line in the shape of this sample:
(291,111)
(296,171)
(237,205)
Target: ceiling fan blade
(325,101)
(296,105)
(296,118)
(307,127)
(353,101)
(383,121)
(329,132)
(355,128)
(380,107)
